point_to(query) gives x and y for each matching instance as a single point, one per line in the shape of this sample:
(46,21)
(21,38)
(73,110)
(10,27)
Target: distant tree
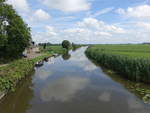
(3,40)
(1,1)
(47,44)
(75,46)
(33,43)
(14,33)
(44,46)
(66,44)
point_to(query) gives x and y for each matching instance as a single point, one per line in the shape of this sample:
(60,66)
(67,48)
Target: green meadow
(138,50)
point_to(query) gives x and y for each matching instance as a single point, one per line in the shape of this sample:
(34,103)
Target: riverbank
(135,68)
(11,74)
(17,70)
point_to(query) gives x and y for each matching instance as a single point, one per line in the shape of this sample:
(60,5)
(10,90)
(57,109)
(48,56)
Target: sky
(86,21)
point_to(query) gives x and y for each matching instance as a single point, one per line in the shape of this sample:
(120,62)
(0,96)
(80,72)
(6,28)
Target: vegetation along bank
(130,61)
(11,74)
(18,69)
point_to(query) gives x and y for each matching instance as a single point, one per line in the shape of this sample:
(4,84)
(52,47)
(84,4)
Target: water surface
(73,84)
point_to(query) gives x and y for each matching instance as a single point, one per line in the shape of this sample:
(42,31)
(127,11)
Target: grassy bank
(130,61)
(11,74)
(16,70)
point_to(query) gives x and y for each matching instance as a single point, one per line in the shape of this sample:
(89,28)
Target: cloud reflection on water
(82,61)
(105,97)
(63,89)
(43,74)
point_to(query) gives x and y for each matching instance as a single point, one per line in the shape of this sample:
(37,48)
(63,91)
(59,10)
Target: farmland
(131,61)
(53,49)
(127,50)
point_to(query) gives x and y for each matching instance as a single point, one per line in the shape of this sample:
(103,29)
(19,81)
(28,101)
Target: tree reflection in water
(66,56)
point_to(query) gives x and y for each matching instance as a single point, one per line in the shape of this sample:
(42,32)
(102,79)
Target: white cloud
(137,32)
(138,23)
(41,15)
(103,34)
(94,24)
(51,31)
(91,23)
(90,30)
(144,25)
(136,28)
(49,35)
(31,16)
(103,11)
(67,5)
(140,12)
(20,5)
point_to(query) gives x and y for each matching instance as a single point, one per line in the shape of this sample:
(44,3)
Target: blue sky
(86,21)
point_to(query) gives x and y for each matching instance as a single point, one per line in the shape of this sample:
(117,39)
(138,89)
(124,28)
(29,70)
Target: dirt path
(33,53)
(2,65)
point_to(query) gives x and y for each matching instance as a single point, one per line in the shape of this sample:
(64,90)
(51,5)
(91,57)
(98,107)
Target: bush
(14,72)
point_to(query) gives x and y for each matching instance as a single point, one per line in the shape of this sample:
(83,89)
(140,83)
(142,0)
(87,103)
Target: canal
(73,84)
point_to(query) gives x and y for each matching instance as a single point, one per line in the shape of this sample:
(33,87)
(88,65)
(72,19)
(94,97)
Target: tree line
(65,44)
(15,34)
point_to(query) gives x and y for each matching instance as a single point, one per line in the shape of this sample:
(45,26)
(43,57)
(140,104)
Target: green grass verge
(134,67)
(11,74)
(135,50)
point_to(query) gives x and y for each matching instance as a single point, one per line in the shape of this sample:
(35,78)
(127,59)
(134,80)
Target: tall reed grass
(135,69)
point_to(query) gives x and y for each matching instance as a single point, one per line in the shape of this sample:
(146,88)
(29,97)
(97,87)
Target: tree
(44,46)
(14,33)
(2,1)
(66,44)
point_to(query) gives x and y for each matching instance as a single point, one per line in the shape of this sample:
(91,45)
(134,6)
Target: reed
(133,68)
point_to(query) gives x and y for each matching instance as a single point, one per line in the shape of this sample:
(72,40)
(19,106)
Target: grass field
(131,61)
(138,50)
(53,49)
